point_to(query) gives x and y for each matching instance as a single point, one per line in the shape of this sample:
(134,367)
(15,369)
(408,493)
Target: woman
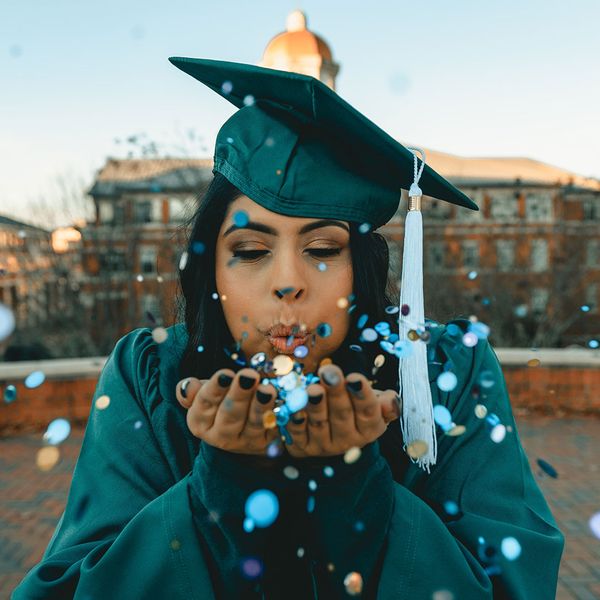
(185,488)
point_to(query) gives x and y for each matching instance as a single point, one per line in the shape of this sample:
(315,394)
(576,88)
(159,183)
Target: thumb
(187,389)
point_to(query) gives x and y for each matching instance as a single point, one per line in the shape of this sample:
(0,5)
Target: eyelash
(315,252)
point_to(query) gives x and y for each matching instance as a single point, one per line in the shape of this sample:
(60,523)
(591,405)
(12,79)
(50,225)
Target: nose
(288,276)
(288,291)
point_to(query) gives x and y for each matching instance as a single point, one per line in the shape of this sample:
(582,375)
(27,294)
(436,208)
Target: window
(591,208)
(435,256)
(539,255)
(106,212)
(466,215)
(436,209)
(470,254)
(148,256)
(538,207)
(504,205)
(505,254)
(114,261)
(592,258)
(143,211)
(591,296)
(178,209)
(539,299)
(149,303)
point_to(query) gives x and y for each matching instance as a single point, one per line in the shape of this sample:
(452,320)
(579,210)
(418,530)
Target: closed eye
(315,252)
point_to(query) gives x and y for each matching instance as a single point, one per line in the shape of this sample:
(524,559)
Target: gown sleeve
(127,530)
(478,526)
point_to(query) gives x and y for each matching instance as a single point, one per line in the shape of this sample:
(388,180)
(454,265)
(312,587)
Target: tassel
(417,421)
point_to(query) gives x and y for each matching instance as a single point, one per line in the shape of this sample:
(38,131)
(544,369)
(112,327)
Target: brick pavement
(31,501)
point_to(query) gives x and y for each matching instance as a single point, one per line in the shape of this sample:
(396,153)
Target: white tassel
(417,409)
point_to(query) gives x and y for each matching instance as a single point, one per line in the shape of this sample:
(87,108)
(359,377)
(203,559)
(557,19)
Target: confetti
(362,321)
(249,100)
(511,548)
(470,339)
(227,87)
(379,361)
(498,433)
(533,362)
(183,261)
(34,379)
(352,455)
(102,402)
(57,432)
(10,394)
(322,266)
(47,458)
(282,364)
(198,247)
(594,344)
(300,351)
(200,348)
(140,278)
(291,472)
(342,303)
(252,568)
(300,552)
(368,335)
(328,471)
(324,330)
(7,321)
(480,411)
(417,449)
(353,583)
(442,595)
(175,545)
(486,379)
(262,508)
(472,275)
(240,218)
(547,468)
(392,310)
(456,430)
(442,416)
(451,507)
(405,310)
(594,524)
(269,420)
(446,381)
(160,335)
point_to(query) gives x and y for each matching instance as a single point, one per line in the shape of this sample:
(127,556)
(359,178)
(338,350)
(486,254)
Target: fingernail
(225,380)
(184,386)
(315,399)
(354,386)
(247,382)
(330,377)
(298,420)
(263,397)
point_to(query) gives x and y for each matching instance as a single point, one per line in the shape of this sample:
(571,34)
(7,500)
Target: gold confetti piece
(353,583)
(480,411)
(223,297)
(47,457)
(269,420)
(102,402)
(325,361)
(330,567)
(456,431)
(379,360)
(160,335)
(413,336)
(175,544)
(417,449)
(534,362)
(282,364)
(352,455)
(342,303)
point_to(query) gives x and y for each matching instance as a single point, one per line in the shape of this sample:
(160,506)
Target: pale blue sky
(472,78)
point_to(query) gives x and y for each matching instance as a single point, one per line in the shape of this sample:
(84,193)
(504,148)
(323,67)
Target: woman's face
(279,276)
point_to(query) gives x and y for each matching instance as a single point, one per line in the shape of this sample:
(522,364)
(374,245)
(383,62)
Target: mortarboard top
(297,148)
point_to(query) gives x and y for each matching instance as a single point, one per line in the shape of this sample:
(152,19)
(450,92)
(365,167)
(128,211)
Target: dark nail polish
(184,386)
(315,399)
(247,382)
(298,420)
(263,397)
(354,386)
(225,380)
(330,377)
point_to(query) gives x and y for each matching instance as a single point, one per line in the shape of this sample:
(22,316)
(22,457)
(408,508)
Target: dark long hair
(206,326)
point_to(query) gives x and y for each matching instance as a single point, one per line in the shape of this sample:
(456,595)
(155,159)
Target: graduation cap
(297,148)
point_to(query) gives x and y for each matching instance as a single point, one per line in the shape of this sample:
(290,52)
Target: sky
(510,78)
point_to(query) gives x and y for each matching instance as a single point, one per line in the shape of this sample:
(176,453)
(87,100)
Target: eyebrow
(305,229)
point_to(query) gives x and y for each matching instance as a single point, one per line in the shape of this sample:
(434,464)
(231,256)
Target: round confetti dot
(472,275)
(312,485)
(269,420)
(57,432)
(379,361)
(362,321)
(584,308)
(594,524)
(355,348)
(300,552)
(291,472)
(274,449)
(324,330)
(258,359)
(297,399)
(10,394)
(353,583)
(403,349)
(47,458)
(7,321)
(593,344)
(183,261)
(200,348)
(456,430)
(137,425)
(451,507)
(368,335)
(140,278)
(391,310)
(240,218)
(446,381)
(442,595)
(262,507)
(175,545)
(102,402)
(160,335)
(405,310)
(310,504)
(300,351)
(521,311)
(34,379)
(215,296)
(486,379)
(453,330)
(470,339)
(442,415)
(481,330)
(511,548)
(342,303)
(198,247)
(248,100)
(498,433)
(325,361)
(364,228)
(252,568)
(480,411)
(227,87)
(328,471)
(533,362)
(282,364)
(417,449)
(413,335)
(322,266)
(352,455)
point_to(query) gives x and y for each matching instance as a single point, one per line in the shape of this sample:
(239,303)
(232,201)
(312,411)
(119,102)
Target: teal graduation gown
(154,513)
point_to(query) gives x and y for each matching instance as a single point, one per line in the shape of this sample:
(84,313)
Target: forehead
(259,213)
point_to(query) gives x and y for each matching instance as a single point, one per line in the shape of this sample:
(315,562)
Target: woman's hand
(341,413)
(227,410)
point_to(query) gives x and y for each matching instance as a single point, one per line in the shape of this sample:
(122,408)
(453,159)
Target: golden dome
(296,41)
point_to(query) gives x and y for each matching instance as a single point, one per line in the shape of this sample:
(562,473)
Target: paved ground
(31,501)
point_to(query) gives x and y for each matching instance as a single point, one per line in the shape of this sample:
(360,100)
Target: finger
(391,405)
(186,389)
(206,400)
(232,413)
(298,428)
(367,410)
(339,405)
(317,420)
(262,402)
